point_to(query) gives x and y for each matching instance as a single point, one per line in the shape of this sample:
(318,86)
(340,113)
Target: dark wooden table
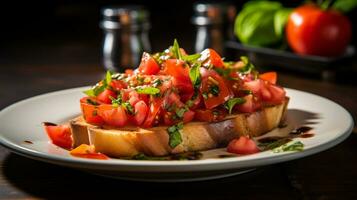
(331,174)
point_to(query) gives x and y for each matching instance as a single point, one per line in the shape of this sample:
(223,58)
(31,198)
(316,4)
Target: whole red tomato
(313,31)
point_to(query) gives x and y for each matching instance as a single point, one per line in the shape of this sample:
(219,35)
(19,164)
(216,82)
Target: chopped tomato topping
(60,135)
(87,151)
(148,65)
(106,96)
(242,145)
(114,116)
(153,112)
(211,57)
(269,76)
(213,89)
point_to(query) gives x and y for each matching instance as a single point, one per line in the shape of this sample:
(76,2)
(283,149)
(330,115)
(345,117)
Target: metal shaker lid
(115,17)
(212,13)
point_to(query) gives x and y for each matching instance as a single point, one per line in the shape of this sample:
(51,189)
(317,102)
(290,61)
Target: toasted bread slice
(196,136)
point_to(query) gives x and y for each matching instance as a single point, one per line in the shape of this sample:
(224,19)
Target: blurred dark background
(50,32)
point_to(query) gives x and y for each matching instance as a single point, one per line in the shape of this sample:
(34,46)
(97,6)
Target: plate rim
(171,166)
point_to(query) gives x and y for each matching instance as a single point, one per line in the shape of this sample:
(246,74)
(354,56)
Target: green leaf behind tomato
(344,5)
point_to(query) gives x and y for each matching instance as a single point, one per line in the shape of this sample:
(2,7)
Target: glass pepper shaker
(214,23)
(125,36)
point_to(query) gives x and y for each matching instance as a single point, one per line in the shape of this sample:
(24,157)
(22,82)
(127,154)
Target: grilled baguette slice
(196,136)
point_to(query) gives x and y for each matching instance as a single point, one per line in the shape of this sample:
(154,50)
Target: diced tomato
(114,116)
(210,79)
(167,118)
(90,114)
(148,65)
(277,94)
(211,57)
(242,145)
(105,96)
(140,112)
(133,97)
(188,116)
(209,115)
(118,85)
(180,73)
(153,112)
(254,86)
(60,135)
(269,76)
(87,151)
(251,104)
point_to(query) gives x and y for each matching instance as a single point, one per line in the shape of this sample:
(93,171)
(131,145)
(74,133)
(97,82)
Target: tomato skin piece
(141,110)
(250,105)
(180,73)
(211,57)
(148,65)
(113,116)
(278,94)
(313,31)
(60,135)
(87,151)
(269,76)
(224,94)
(242,145)
(154,109)
(188,116)
(118,85)
(105,96)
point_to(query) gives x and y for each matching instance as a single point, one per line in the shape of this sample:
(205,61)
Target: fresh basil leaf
(95,91)
(129,108)
(175,49)
(280,18)
(344,6)
(248,66)
(147,90)
(108,78)
(232,102)
(290,146)
(254,24)
(180,112)
(191,58)
(92,102)
(195,75)
(175,135)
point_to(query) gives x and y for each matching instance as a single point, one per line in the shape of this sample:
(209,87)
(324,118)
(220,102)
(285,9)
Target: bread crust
(196,136)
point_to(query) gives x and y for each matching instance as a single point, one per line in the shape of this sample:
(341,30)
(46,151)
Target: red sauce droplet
(28,142)
(98,156)
(306,135)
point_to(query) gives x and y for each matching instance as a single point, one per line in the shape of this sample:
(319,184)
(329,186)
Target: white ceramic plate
(21,122)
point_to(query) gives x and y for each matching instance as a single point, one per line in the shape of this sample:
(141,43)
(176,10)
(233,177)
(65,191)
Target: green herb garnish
(214,89)
(157,82)
(175,135)
(248,66)
(147,90)
(91,102)
(232,102)
(97,89)
(180,112)
(128,107)
(175,49)
(195,75)
(191,58)
(290,146)
(116,102)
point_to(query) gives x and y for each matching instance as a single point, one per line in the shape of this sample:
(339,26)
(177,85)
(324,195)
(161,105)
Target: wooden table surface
(331,174)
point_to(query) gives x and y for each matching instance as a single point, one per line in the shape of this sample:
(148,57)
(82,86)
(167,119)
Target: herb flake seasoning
(174,134)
